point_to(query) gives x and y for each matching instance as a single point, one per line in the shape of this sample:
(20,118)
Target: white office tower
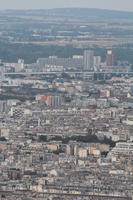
(88,60)
(20,64)
(2,77)
(97,61)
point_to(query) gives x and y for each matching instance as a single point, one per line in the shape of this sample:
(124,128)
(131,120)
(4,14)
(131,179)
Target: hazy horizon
(44,4)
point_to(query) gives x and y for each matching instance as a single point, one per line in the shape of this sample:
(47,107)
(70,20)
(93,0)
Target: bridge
(67,72)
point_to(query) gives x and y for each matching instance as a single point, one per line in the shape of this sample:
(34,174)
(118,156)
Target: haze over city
(66,100)
(44,4)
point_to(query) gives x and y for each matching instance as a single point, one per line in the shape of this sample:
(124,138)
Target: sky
(44,4)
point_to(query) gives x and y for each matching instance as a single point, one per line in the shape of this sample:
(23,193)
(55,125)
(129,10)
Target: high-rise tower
(88,60)
(109,58)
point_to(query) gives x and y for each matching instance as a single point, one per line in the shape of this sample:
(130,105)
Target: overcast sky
(36,4)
